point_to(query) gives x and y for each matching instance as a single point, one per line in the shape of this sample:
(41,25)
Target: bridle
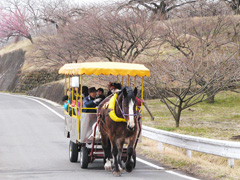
(122,109)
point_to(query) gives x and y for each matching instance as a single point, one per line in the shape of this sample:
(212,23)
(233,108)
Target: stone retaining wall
(53,91)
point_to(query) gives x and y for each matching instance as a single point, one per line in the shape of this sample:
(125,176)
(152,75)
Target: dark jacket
(109,93)
(102,97)
(88,103)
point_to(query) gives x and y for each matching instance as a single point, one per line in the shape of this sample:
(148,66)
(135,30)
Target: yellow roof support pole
(80,110)
(65,86)
(122,81)
(117,79)
(128,80)
(142,94)
(68,81)
(68,88)
(135,81)
(72,98)
(76,106)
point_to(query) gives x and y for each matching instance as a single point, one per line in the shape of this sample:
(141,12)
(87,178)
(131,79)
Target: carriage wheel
(84,158)
(134,159)
(73,152)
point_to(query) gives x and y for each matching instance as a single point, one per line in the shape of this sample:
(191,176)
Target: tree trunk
(178,115)
(29,37)
(211,95)
(177,121)
(211,98)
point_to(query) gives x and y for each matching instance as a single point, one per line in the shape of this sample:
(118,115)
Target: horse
(114,134)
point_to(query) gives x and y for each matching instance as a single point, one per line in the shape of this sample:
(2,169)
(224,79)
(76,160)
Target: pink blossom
(14,23)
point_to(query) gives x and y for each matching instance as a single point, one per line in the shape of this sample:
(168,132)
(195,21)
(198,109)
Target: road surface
(32,146)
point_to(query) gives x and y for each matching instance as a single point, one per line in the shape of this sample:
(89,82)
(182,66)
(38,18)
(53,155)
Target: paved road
(32,146)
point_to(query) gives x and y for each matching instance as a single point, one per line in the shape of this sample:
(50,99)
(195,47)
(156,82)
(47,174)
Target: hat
(65,97)
(113,84)
(92,89)
(118,86)
(100,89)
(85,89)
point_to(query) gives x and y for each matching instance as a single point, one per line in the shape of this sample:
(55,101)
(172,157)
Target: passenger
(139,101)
(114,87)
(118,86)
(69,92)
(111,86)
(72,97)
(72,100)
(65,100)
(90,101)
(84,94)
(84,91)
(100,94)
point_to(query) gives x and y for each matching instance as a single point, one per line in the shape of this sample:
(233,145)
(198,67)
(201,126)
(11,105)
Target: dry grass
(24,45)
(202,165)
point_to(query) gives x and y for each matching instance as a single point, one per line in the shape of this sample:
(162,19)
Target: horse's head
(129,106)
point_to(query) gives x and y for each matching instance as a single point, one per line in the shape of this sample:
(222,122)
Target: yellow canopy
(105,68)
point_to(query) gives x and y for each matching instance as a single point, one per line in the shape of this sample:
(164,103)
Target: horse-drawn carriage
(82,127)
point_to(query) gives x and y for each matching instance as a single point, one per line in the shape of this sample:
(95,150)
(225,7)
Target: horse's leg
(107,152)
(116,171)
(120,148)
(129,163)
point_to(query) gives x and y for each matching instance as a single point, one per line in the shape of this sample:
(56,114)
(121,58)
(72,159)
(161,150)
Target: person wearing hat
(111,88)
(85,91)
(90,101)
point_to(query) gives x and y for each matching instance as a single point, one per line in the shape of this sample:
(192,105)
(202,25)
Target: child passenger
(65,100)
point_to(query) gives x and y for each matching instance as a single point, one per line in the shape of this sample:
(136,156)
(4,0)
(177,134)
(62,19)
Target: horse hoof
(116,174)
(120,168)
(129,166)
(108,166)
(108,169)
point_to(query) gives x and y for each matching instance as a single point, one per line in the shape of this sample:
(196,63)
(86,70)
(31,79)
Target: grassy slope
(218,121)
(25,45)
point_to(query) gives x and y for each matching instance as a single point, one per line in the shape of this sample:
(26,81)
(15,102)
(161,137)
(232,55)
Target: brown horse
(114,134)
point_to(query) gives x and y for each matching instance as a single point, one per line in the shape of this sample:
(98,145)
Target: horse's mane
(119,102)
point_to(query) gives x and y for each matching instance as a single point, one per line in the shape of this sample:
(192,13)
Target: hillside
(18,73)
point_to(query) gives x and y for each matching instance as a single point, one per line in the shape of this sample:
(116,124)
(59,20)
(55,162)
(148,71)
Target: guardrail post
(160,146)
(189,153)
(231,162)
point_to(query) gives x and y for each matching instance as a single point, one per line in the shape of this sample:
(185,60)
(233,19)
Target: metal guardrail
(228,149)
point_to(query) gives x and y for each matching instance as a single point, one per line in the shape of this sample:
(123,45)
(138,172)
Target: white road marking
(46,100)
(31,98)
(149,164)
(138,159)
(46,107)
(181,175)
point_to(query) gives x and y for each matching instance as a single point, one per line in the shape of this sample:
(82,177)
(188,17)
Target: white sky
(87,2)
